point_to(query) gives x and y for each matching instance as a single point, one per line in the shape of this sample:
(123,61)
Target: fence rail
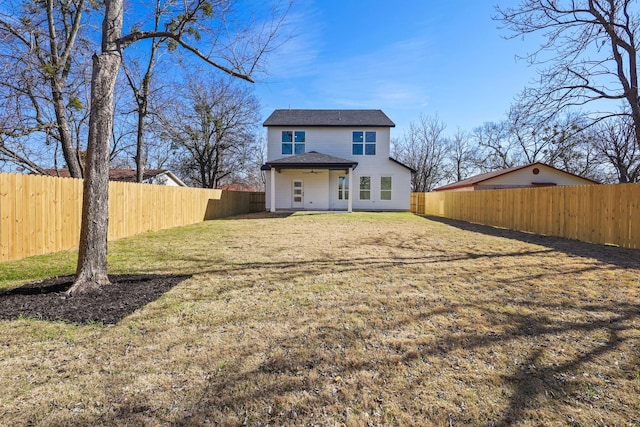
(40,214)
(605,214)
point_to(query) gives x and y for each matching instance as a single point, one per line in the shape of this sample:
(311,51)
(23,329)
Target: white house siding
(525,177)
(315,188)
(330,140)
(164,179)
(400,190)
(321,190)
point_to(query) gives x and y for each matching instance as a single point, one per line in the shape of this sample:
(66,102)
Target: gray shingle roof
(309,160)
(362,118)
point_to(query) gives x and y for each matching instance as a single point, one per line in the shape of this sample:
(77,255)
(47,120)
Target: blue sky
(406,57)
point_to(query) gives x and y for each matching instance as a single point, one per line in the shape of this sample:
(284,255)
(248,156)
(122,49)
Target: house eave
(328,166)
(310,160)
(412,170)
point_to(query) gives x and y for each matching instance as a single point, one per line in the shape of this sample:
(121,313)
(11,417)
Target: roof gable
(484,177)
(361,118)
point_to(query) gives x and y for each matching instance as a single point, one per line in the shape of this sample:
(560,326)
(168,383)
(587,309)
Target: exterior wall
(400,187)
(315,189)
(321,189)
(330,140)
(525,177)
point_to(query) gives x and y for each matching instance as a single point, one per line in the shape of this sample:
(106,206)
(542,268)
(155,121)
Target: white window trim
(390,199)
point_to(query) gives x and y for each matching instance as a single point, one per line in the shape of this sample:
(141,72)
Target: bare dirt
(46,300)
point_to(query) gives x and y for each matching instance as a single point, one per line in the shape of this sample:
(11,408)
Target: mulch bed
(46,300)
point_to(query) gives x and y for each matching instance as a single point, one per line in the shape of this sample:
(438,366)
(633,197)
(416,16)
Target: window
(370,143)
(343,188)
(363,143)
(385,188)
(365,188)
(293,142)
(299,139)
(357,139)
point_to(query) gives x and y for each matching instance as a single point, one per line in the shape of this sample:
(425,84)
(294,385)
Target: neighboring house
(533,175)
(150,176)
(333,160)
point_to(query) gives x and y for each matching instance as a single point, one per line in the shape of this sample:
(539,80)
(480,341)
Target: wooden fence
(605,214)
(257,202)
(40,214)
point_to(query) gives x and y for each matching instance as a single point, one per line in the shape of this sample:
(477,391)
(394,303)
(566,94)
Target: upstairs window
(363,143)
(293,142)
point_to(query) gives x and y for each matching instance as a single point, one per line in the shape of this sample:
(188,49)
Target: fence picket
(5,216)
(602,214)
(40,214)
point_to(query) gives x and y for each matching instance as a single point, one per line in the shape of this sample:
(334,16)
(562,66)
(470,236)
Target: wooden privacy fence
(606,214)
(40,214)
(257,201)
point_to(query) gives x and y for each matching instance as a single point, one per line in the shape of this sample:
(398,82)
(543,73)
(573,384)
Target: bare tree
(559,141)
(533,135)
(254,175)
(237,53)
(521,139)
(424,148)
(142,92)
(214,133)
(497,149)
(614,139)
(590,50)
(42,70)
(462,156)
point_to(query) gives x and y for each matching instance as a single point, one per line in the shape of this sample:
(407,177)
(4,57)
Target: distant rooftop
(478,179)
(125,175)
(329,118)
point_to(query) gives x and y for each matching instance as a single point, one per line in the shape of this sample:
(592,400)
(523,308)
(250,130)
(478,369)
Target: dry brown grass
(361,319)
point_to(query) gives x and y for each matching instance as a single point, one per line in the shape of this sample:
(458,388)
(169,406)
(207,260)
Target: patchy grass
(338,319)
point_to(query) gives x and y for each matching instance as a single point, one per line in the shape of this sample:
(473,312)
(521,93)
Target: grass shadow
(259,215)
(307,364)
(621,257)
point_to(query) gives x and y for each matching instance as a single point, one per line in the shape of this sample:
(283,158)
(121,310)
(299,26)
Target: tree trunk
(91,273)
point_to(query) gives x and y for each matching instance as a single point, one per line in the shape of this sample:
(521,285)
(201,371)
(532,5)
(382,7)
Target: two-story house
(333,160)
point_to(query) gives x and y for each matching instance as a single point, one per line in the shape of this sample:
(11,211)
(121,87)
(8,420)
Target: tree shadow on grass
(328,351)
(621,257)
(305,371)
(259,215)
(46,300)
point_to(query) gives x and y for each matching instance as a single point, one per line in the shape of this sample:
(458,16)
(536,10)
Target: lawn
(339,319)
